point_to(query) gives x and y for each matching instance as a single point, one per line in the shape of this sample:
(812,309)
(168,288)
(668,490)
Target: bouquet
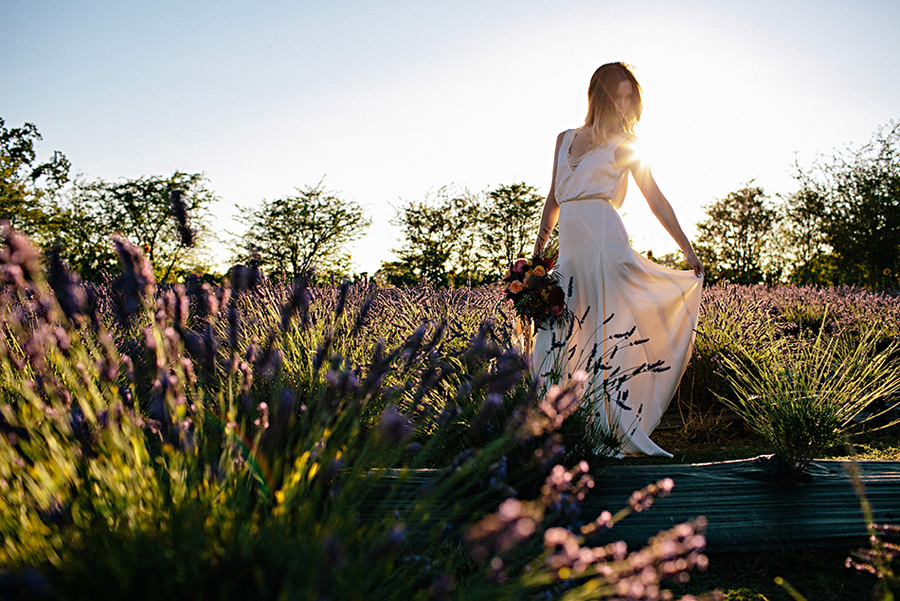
(534,290)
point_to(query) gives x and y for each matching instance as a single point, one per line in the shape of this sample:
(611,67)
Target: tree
(429,233)
(141,210)
(455,237)
(442,240)
(510,222)
(28,188)
(734,238)
(854,197)
(294,234)
(806,256)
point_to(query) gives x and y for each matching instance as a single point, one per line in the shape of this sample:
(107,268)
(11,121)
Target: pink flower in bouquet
(519,266)
(515,286)
(557,309)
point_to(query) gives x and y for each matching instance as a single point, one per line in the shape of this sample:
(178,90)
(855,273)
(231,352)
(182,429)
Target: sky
(385,102)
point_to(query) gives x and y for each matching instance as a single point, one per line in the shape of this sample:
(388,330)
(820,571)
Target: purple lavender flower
(66,286)
(20,261)
(245,278)
(497,533)
(394,426)
(180,212)
(299,303)
(135,283)
(491,404)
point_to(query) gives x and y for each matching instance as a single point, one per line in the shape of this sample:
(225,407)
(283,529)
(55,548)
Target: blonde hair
(603,119)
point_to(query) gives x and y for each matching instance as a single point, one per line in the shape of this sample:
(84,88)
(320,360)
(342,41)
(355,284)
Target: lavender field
(288,441)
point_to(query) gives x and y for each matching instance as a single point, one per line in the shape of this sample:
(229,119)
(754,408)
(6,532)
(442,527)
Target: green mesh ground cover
(748,509)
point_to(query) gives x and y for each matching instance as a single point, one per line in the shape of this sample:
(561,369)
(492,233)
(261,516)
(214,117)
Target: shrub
(804,398)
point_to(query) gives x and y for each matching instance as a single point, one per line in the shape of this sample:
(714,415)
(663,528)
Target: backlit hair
(603,119)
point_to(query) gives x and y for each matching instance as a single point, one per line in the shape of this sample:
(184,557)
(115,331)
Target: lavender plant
(192,448)
(804,398)
(742,321)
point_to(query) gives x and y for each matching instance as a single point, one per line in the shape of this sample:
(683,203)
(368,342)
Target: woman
(618,297)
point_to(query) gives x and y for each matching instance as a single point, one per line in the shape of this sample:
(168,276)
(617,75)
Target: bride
(634,319)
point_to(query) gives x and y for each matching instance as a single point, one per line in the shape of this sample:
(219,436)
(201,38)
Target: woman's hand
(696,264)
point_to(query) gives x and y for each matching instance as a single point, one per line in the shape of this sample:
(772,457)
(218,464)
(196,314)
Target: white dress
(623,299)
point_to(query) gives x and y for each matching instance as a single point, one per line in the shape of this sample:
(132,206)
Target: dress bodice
(594,175)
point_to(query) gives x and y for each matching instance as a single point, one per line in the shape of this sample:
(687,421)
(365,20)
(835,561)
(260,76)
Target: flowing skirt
(634,325)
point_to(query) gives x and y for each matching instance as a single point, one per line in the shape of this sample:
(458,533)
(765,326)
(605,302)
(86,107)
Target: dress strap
(570,160)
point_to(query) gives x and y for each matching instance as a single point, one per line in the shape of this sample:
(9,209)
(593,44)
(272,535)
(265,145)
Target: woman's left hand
(694,261)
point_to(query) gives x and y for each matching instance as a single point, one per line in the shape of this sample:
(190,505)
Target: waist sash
(594,196)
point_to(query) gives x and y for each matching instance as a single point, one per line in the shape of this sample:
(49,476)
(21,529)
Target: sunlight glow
(387,101)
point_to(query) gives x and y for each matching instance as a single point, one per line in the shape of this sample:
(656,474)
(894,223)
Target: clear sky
(388,100)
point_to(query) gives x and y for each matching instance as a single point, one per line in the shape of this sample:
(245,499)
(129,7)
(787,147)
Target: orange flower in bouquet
(533,288)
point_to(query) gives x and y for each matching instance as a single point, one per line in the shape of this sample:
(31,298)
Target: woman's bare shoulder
(559,140)
(626,151)
(628,141)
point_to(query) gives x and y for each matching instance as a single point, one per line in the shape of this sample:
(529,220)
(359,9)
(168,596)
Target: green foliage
(28,188)
(510,221)
(854,198)
(842,227)
(140,210)
(804,398)
(290,236)
(455,237)
(735,237)
(801,237)
(440,242)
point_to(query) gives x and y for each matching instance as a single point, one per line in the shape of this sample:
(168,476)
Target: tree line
(842,225)
(452,237)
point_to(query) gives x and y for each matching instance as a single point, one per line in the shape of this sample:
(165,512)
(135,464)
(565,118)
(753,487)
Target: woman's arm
(626,156)
(551,210)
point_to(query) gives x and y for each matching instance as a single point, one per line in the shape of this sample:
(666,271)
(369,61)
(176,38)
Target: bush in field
(295,234)
(805,398)
(743,321)
(735,240)
(206,444)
